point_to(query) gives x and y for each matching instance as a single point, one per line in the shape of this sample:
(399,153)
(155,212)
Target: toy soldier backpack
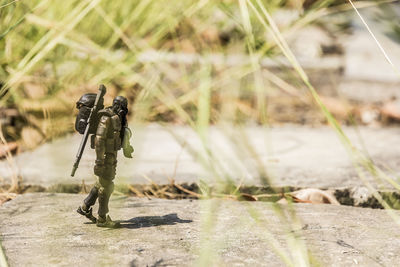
(87,120)
(84,105)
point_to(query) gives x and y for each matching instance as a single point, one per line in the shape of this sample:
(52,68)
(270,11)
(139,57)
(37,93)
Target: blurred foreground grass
(52,53)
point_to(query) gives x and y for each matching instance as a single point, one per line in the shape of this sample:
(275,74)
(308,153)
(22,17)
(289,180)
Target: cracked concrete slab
(291,155)
(44,229)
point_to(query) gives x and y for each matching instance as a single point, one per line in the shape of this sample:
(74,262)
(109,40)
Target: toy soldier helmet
(120,103)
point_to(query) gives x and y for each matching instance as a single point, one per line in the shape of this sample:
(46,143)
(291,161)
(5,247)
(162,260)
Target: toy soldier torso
(109,128)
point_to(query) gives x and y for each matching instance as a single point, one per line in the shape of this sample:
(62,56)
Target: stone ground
(293,155)
(43,229)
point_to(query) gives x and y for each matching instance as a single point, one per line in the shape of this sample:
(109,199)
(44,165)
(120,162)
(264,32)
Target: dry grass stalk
(83,187)
(15,179)
(187,191)
(135,191)
(6,196)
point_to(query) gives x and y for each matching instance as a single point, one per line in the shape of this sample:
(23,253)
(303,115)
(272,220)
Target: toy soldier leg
(90,200)
(106,184)
(105,192)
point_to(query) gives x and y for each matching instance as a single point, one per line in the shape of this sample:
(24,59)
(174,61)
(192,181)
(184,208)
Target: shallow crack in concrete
(354,196)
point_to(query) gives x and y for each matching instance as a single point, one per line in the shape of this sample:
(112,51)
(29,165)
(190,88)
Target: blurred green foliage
(51,53)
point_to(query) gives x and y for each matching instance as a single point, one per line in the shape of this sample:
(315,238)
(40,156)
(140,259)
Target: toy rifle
(92,117)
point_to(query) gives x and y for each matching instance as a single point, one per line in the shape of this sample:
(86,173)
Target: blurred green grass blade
(27,64)
(9,3)
(273,29)
(3,259)
(50,35)
(207,250)
(268,237)
(396,70)
(117,30)
(204,100)
(12,27)
(260,87)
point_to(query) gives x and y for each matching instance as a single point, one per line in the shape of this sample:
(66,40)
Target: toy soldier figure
(111,135)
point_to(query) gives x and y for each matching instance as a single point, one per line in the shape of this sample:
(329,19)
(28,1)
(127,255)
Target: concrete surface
(292,155)
(44,230)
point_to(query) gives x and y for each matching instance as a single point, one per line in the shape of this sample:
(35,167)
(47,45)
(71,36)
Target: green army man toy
(109,133)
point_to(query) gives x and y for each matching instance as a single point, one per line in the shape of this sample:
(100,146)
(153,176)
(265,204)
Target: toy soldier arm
(126,146)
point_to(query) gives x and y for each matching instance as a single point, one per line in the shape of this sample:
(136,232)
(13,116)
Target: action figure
(109,133)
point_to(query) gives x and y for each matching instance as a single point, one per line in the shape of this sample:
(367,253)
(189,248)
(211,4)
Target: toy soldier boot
(107,222)
(104,196)
(87,212)
(89,201)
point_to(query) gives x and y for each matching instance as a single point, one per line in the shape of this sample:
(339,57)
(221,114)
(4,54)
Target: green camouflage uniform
(107,142)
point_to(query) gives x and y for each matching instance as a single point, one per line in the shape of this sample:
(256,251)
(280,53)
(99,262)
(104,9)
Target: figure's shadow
(150,221)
